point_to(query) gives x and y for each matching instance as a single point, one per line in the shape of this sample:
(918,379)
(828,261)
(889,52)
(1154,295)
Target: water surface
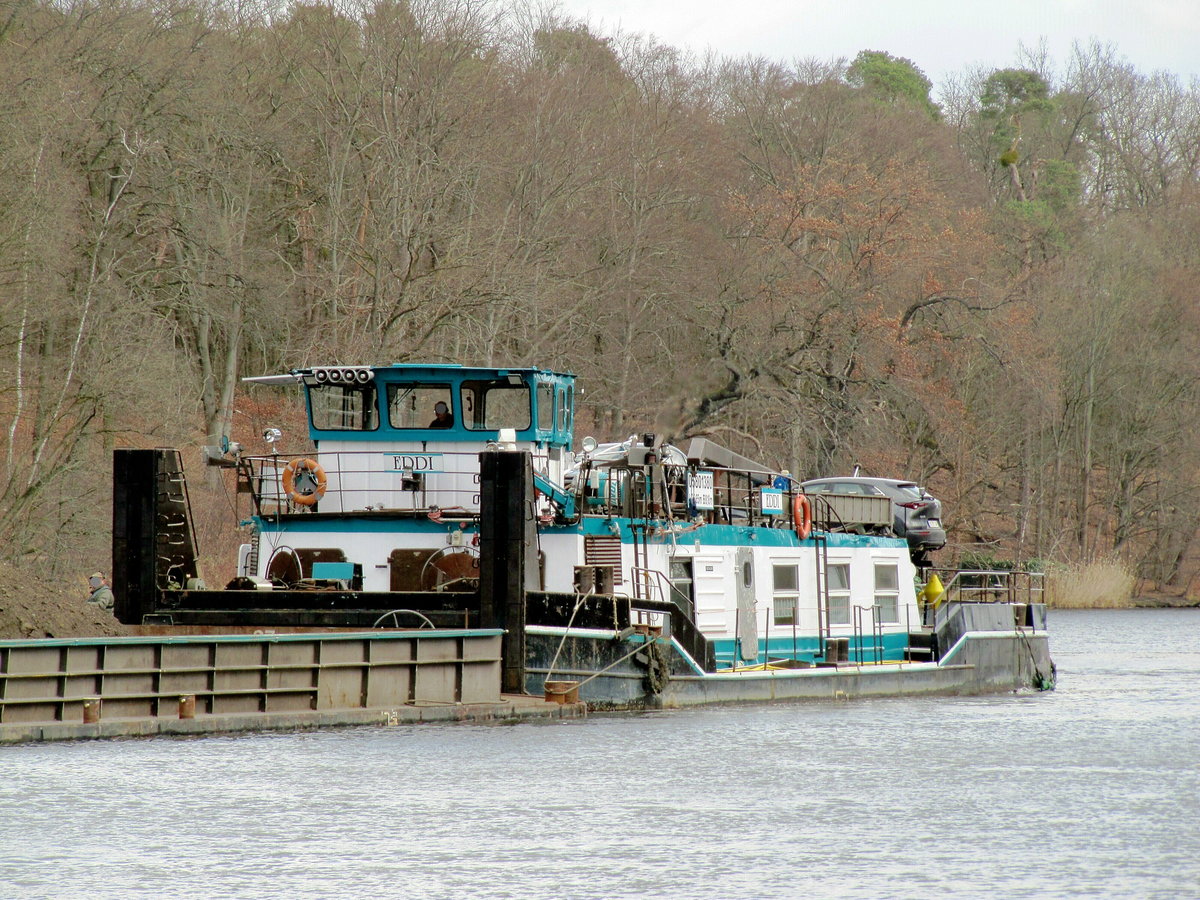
(1089,791)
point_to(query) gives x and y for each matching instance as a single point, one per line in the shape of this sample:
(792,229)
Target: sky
(942,37)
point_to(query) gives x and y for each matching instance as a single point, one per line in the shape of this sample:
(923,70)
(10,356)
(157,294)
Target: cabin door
(747,613)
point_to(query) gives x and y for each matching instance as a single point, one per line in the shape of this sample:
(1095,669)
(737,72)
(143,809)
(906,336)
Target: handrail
(996,585)
(655,584)
(439,482)
(876,633)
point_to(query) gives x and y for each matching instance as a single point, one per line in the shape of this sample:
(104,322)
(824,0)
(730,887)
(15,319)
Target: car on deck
(916,514)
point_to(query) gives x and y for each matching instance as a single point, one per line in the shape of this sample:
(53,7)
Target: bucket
(562,691)
(91,710)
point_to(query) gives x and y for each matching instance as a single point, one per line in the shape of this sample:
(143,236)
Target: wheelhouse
(447,404)
(408,437)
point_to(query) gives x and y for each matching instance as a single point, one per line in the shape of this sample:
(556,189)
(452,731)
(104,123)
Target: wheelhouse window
(786,594)
(887,592)
(545,398)
(420,406)
(343,407)
(490,405)
(565,398)
(839,593)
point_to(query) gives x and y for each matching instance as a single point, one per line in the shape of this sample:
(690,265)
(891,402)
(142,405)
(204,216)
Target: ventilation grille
(603,550)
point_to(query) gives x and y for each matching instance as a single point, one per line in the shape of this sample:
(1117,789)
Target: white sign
(772,502)
(700,489)
(410,463)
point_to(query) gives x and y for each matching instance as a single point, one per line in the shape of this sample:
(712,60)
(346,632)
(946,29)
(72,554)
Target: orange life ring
(802,516)
(313,470)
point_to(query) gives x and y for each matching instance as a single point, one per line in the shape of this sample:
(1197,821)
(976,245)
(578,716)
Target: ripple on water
(1089,791)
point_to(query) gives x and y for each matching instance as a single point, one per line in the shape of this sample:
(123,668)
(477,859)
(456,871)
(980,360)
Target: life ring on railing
(802,516)
(303,470)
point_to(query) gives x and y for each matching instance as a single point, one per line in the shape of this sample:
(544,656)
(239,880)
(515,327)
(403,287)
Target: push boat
(634,574)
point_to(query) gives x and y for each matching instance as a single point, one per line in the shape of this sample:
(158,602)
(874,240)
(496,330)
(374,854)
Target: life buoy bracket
(304,481)
(802,516)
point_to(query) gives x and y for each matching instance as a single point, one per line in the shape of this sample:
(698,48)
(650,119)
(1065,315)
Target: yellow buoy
(933,592)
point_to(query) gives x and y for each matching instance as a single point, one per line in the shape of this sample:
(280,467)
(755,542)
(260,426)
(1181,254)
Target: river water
(1090,791)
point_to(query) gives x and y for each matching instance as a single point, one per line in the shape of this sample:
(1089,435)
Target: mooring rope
(578,605)
(1040,682)
(594,675)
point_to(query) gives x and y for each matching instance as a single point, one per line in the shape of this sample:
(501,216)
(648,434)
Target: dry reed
(1102,584)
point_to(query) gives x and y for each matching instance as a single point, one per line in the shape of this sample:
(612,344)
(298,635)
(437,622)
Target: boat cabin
(407,437)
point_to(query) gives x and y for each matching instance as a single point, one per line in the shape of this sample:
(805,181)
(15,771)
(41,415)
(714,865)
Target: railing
(647,583)
(65,680)
(651,586)
(876,647)
(992,585)
(617,488)
(863,635)
(441,482)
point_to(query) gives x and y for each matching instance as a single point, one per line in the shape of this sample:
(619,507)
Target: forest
(821,264)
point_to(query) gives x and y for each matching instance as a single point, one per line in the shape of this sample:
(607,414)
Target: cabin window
(417,406)
(343,407)
(490,405)
(545,401)
(887,592)
(786,594)
(839,593)
(564,409)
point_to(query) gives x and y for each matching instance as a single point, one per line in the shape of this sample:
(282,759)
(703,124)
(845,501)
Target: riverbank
(35,606)
(1165,601)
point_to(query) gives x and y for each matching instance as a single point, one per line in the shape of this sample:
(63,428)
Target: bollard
(585,579)
(605,576)
(831,653)
(187,706)
(562,691)
(91,710)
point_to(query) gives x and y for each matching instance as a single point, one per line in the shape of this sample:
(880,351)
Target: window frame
(841,596)
(421,390)
(890,594)
(474,392)
(320,418)
(785,596)
(545,406)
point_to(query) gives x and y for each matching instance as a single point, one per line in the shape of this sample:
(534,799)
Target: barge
(626,575)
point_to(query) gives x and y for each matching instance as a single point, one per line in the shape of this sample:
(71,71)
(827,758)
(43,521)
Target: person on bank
(102,594)
(441,416)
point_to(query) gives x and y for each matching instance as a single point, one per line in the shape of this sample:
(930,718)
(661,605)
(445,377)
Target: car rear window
(912,490)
